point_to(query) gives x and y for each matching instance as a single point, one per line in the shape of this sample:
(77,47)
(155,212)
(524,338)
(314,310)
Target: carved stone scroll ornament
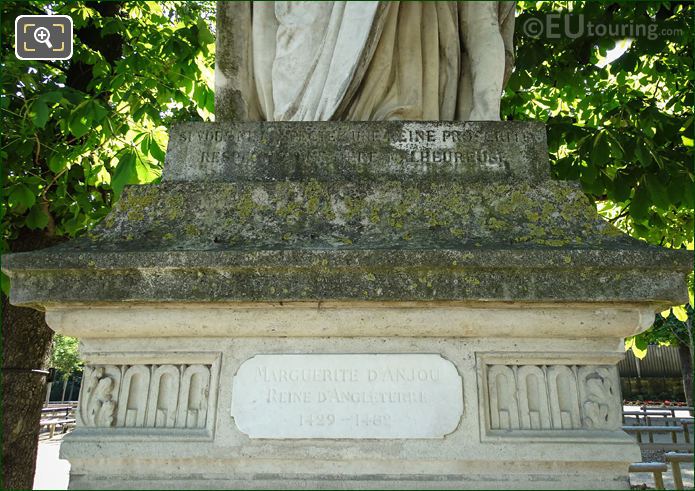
(557,397)
(145,396)
(99,395)
(600,403)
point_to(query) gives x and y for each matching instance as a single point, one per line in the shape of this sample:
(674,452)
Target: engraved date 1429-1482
(353,419)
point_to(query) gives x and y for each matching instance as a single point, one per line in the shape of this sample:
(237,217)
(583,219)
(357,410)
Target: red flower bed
(655,404)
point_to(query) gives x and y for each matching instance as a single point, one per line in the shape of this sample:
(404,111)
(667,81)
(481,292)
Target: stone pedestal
(351,305)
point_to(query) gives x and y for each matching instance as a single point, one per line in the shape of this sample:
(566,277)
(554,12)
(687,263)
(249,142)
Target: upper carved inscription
(317,150)
(351,135)
(347,396)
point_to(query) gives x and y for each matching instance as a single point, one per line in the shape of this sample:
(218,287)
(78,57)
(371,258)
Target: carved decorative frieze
(145,396)
(99,395)
(552,397)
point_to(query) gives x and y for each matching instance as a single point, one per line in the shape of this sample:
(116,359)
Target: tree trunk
(26,347)
(26,337)
(687,371)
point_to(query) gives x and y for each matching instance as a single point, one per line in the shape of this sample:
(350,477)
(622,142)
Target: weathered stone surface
(347,396)
(516,281)
(552,398)
(353,231)
(351,319)
(358,151)
(235,95)
(340,215)
(471,457)
(148,395)
(572,275)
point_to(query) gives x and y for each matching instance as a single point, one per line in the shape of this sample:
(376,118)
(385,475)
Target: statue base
(351,305)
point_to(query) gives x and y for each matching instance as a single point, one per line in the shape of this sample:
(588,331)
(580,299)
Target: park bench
(666,411)
(51,424)
(638,430)
(676,459)
(633,414)
(669,421)
(662,421)
(54,415)
(55,411)
(645,416)
(656,468)
(647,412)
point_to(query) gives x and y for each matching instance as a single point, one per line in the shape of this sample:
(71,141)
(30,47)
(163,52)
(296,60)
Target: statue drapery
(317,61)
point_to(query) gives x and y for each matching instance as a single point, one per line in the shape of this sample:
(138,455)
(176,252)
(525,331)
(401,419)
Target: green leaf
(616,151)
(629,342)
(125,172)
(639,206)
(57,162)
(37,218)
(689,196)
(600,153)
(156,151)
(39,113)
(657,191)
(643,155)
(639,346)
(65,355)
(84,116)
(101,69)
(589,173)
(146,172)
(132,169)
(96,111)
(78,125)
(21,198)
(204,34)
(680,313)
(622,187)
(675,191)
(52,97)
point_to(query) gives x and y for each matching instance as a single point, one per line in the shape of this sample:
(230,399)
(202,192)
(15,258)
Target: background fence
(661,361)
(657,377)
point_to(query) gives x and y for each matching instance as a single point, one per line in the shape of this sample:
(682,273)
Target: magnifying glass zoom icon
(42,35)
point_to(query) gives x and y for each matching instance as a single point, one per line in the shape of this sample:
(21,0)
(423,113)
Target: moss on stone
(346,215)
(244,206)
(191,230)
(174,206)
(136,215)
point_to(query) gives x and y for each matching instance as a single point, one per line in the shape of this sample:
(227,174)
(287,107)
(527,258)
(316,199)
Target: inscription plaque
(334,151)
(347,396)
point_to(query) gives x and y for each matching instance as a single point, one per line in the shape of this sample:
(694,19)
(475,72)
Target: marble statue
(370,61)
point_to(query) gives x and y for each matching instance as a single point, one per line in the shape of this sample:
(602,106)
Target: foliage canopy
(624,129)
(65,355)
(77,131)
